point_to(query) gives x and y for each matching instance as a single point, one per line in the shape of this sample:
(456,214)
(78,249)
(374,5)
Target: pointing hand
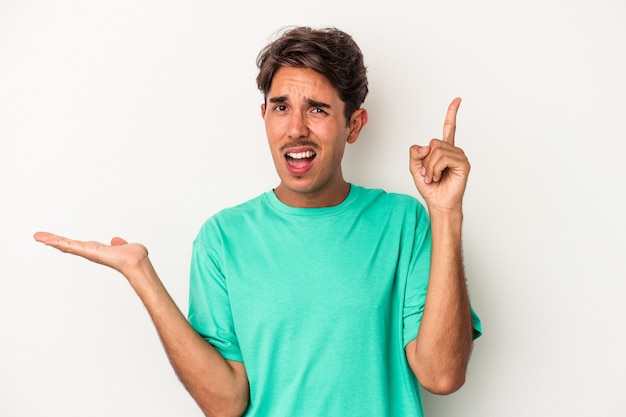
(440,170)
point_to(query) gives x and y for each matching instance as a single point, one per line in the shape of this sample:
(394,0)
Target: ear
(263,110)
(357,121)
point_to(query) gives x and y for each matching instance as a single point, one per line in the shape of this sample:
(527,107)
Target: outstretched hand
(440,170)
(120,255)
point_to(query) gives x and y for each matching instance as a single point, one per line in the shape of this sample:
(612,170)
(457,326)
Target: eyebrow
(314,103)
(309,101)
(279,99)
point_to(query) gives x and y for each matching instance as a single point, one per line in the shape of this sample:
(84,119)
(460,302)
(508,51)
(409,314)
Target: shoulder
(246,208)
(232,217)
(391,201)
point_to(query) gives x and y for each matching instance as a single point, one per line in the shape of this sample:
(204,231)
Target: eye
(280,107)
(319,110)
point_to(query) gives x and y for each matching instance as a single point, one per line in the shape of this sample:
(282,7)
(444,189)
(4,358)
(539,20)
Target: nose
(298,127)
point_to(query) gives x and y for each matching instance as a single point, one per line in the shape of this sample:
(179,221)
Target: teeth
(301,155)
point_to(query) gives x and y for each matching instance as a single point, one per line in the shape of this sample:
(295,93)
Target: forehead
(301,82)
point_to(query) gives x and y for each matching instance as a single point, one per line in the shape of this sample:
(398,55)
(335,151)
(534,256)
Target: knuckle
(437,152)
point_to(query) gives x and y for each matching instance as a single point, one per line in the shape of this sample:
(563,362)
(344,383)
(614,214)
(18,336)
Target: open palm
(120,255)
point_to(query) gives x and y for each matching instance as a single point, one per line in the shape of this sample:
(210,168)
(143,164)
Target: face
(307,134)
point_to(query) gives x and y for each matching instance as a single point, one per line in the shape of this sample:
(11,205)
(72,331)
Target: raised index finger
(449,125)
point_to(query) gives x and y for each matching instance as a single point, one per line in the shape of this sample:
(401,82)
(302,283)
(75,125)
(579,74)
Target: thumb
(118,241)
(419,152)
(416,160)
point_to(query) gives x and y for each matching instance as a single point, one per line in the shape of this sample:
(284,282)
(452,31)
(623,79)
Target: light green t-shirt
(317,303)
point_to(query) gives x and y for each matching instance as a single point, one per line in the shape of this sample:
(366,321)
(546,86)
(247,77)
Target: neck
(313,199)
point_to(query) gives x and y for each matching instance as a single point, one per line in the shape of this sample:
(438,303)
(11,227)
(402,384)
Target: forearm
(219,387)
(440,353)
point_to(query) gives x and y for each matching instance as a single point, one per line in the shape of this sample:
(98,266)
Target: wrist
(141,273)
(448,215)
(446,224)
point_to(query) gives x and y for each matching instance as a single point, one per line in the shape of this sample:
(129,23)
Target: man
(320,297)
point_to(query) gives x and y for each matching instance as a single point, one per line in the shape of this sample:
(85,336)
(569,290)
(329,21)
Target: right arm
(220,387)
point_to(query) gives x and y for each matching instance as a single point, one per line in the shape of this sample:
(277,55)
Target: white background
(141,119)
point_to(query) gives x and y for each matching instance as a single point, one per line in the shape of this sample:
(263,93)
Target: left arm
(439,355)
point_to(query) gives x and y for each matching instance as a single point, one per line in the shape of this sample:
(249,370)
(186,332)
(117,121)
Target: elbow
(441,380)
(445,385)
(231,406)
(439,375)
(236,409)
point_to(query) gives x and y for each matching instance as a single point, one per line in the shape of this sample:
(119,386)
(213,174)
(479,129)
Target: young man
(319,297)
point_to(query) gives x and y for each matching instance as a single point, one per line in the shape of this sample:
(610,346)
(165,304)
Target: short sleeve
(209,306)
(417,286)
(417,280)
(477,324)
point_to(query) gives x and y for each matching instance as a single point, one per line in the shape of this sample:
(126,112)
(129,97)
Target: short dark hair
(329,51)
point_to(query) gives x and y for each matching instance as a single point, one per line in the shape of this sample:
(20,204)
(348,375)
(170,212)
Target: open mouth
(300,159)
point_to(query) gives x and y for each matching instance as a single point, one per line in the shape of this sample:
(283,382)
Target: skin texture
(303,113)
